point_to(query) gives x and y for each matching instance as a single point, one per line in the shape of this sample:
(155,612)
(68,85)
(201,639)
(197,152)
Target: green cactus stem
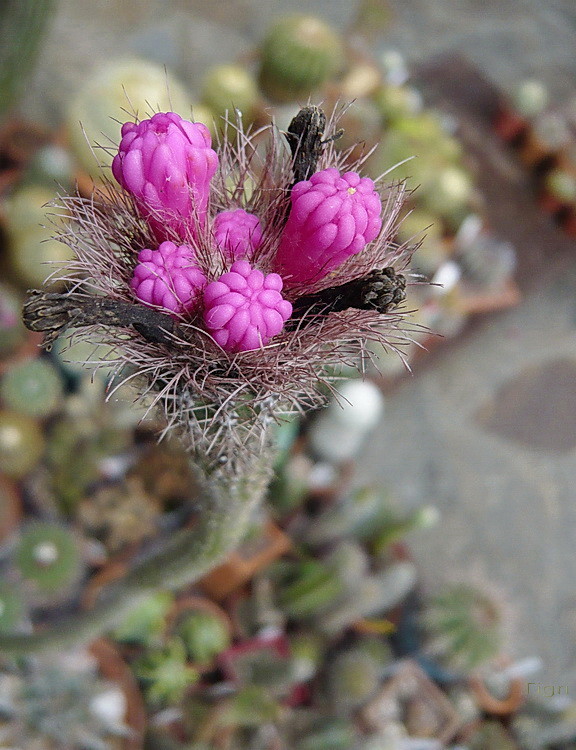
(22,25)
(226,501)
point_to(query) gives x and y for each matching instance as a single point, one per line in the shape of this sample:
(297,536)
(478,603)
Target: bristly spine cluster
(220,395)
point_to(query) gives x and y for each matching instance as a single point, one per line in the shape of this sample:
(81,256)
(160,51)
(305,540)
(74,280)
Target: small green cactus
(204,634)
(165,672)
(146,623)
(33,252)
(352,678)
(329,734)
(311,588)
(21,443)
(32,387)
(11,607)
(227,88)
(297,56)
(465,625)
(48,556)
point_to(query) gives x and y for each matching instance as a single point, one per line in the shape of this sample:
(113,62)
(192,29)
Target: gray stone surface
(508,510)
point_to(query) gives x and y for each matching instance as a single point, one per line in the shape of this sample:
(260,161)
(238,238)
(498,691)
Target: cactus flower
(237,233)
(168,277)
(167,163)
(244,309)
(332,217)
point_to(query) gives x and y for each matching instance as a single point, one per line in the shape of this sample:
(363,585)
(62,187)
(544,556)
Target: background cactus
(298,54)
(58,703)
(21,443)
(47,555)
(204,634)
(32,387)
(22,25)
(465,626)
(352,678)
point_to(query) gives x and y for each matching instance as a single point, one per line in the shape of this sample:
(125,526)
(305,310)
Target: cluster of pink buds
(166,164)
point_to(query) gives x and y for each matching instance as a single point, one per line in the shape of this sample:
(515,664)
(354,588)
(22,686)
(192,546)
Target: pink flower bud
(244,309)
(167,163)
(332,217)
(168,277)
(238,233)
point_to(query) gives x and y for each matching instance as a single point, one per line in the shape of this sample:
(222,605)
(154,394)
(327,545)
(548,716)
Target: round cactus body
(465,625)
(227,88)
(33,252)
(353,678)
(204,634)
(32,387)
(299,54)
(21,444)
(48,555)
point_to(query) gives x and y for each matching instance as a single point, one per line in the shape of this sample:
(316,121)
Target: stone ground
(486,430)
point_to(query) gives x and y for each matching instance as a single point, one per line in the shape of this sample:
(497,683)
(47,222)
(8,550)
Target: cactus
(120,514)
(227,88)
(11,607)
(491,734)
(63,704)
(22,24)
(32,387)
(47,555)
(352,678)
(12,331)
(313,587)
(374,595)
(297,56)
(204,634)
(465,625)
(329,734)
(165,672)
(129,84)
(146,624)
(21,444)
(31,244)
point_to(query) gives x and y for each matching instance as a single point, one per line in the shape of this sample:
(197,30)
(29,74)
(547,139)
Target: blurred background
(473,453)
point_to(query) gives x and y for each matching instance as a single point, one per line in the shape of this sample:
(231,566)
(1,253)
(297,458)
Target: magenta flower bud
(237,233)
(332,217)
(244,309)
(167,163)
(168,277)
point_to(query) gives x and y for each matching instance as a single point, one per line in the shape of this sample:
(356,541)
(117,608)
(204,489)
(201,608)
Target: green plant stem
(228,499)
